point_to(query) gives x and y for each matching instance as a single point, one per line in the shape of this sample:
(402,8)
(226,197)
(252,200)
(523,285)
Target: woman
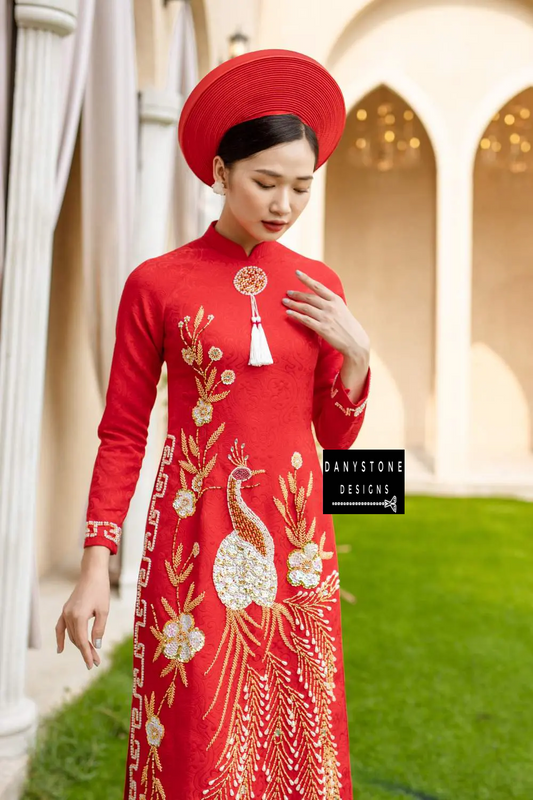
(238,674)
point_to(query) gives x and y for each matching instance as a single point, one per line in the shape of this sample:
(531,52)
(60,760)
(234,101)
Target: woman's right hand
(90,598)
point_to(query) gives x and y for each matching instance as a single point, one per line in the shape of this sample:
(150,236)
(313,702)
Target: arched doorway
(380,238)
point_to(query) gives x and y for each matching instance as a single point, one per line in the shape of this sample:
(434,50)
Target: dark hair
(247,138)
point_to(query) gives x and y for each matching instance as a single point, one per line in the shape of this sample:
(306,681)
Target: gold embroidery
(160,489)
(268,712)
(316,669)
(346,409)
(193,355)
(179,640)
(243,573)
(155,731)
(305,562)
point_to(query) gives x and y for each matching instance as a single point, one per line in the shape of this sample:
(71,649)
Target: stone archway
(380,237)
(502,284)
(449,87)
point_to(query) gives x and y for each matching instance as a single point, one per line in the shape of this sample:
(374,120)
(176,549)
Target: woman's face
(273,185)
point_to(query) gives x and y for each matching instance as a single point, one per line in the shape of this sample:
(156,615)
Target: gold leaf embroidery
(214,398)
(188,467)
(193,446)
(201,391)
(215,435)
(211,379)
(199,317)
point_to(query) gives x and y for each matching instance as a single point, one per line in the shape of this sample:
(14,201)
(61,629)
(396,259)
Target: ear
(219,171)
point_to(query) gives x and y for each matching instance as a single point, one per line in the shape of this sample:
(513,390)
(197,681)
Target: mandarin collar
(227,247)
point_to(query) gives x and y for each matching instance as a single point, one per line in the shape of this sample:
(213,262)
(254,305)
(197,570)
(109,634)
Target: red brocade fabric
(238,688)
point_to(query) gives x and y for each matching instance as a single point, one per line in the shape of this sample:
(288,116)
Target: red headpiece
(254,85)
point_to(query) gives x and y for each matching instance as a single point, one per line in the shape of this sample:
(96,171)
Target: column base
(18,727)
(13,774)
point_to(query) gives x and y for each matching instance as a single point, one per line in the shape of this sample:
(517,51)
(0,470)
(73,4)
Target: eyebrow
(277,175)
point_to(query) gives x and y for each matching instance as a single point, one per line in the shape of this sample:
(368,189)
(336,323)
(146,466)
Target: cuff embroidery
(109,530)
(356,410)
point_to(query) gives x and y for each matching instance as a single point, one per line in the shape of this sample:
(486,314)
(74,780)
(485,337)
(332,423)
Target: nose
(281,204)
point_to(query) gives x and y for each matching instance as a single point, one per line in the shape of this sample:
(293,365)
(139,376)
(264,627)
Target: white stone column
(23,338)
(453,319)
(158,117)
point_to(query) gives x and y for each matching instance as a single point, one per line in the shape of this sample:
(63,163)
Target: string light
(506,142)
(385,134)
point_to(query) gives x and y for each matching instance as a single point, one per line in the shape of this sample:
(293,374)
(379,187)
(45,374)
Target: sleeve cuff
(103,533)
(342,401)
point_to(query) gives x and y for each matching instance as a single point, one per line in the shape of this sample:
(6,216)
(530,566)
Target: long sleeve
(135,371)
(336,419)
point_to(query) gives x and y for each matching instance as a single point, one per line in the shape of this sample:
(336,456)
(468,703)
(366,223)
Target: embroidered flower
(181,640)
(296,460)
(202,412)
(305,566)
(154,731)
(184,503)
(215,353)
(228,376)
(188,354)
(197,482)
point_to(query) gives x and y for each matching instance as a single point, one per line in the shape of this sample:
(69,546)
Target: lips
(273,225)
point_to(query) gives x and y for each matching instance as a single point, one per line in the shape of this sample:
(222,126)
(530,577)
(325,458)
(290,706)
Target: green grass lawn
(438,651)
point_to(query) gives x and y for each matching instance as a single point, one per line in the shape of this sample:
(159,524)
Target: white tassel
(259,350)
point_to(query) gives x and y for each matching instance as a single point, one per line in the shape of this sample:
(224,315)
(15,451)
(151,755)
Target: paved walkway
(52,676)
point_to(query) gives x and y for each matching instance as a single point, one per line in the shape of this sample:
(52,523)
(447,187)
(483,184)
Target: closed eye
(264,186)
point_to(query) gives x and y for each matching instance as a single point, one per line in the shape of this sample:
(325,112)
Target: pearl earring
(218,188)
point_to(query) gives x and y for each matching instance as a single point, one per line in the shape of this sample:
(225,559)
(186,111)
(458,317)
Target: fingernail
(96,664)
(98,643)
(58,650)
(88,667)
(298,272)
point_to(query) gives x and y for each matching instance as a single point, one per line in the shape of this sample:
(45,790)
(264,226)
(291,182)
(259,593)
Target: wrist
(358,358)
(95,557)
(353,374)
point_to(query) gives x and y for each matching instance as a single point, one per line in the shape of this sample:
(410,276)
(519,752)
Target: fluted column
(23,335)
(158,117)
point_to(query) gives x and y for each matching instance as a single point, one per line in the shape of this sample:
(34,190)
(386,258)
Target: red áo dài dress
(238,687)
